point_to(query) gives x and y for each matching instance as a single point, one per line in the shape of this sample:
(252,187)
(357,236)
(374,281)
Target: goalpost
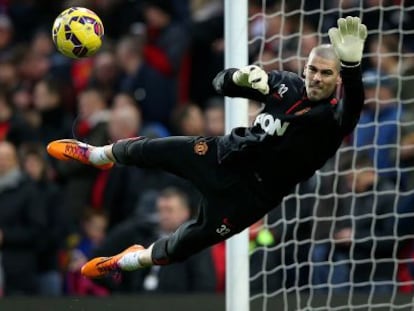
(236,47)
(283,272)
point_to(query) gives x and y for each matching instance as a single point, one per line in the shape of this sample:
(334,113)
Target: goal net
(343,239)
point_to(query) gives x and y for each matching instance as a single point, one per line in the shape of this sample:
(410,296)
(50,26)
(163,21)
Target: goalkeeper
(244,174)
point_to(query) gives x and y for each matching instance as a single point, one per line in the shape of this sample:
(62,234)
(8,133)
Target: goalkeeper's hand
(252,76)
(348,39)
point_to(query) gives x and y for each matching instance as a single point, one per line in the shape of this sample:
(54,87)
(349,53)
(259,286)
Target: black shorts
(230,200)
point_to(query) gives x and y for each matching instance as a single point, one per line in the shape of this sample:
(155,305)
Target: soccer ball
(77,32)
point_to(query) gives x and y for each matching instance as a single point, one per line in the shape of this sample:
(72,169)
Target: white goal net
(343,239)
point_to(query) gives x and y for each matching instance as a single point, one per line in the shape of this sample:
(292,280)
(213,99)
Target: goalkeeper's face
(321,77)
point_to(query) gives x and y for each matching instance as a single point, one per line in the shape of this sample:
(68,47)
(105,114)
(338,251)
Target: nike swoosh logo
(70,157)
(104,260)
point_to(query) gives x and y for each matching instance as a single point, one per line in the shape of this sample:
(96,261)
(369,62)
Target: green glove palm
(348,39)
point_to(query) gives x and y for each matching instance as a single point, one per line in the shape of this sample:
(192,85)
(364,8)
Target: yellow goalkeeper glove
(348,39)
(252,76)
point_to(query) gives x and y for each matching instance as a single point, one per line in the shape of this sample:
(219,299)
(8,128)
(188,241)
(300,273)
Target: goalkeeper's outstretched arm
(348,41)
(248,82)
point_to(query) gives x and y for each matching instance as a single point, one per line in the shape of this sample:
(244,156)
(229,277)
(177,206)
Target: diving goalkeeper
(245,174)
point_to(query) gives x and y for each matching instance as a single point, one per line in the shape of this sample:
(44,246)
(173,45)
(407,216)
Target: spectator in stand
(33,67)
(361,242)
(92,234)
(42,43)
(296,212)
(54,121)
(169,208)
(167,39)
(21,99)
(91,125)
(261,26)
(121,15)
(197,273)
(60,66)
(105,74)
(300,46)
(378,128)
(126,100)
(188,119)
(34,163)
(13,126)
(22,224)
(214,117)
(387,55)
(384,53)
(114,191)
(124,121)
(207,47)
(387,16)
(154,91)
(274,28)
(93,115)
(9,77)
(143,224)
(268,60)
(28,16)
(7,35)
(378,14)
(147,129)
(405,231)
(167,44)
(407,148)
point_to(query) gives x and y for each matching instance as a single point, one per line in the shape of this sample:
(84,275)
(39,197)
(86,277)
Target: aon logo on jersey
(271,125)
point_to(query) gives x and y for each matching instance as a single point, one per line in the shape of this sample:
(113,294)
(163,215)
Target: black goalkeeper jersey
(292,137)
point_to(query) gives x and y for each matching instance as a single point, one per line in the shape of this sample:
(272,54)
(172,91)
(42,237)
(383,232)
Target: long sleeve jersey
(292,137)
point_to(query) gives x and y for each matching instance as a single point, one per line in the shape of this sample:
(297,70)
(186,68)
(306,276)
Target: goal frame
(236,114)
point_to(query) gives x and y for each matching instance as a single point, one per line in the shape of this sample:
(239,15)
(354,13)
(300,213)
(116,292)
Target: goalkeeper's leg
(190,157)
(210,227)
(189,239)
(230,204)
(184,156)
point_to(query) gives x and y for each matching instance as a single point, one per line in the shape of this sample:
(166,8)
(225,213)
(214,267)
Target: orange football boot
(102,266)
(72,149)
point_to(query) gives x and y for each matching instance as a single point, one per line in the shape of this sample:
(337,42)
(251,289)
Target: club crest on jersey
(271,125)
(201,147)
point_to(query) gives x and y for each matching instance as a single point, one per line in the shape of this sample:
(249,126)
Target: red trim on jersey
(295,105)
(333,101)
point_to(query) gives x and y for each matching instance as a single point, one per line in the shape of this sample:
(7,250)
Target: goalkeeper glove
(348,39)
(252,76)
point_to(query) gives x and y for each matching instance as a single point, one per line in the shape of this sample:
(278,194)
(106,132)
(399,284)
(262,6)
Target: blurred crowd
(152,77)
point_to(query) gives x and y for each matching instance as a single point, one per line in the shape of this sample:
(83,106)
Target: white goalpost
(236,47)
(302,263)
